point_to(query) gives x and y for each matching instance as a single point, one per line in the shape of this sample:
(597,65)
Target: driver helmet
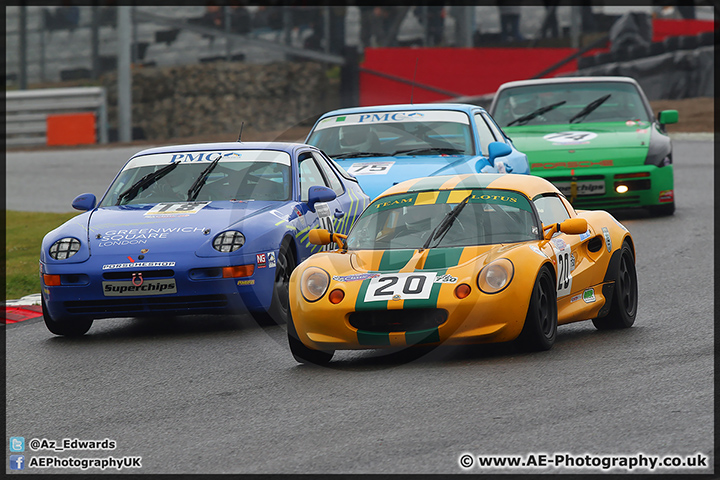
(523,104)
(357,137)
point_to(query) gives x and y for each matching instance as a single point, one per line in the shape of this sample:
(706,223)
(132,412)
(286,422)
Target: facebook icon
(17,462)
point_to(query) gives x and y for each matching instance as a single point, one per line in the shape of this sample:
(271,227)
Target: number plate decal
(564,269)
(402,286)
(175,208)
(374,168)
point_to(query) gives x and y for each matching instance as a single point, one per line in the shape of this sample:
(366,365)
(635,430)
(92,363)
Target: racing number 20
(407,286)
(563,259)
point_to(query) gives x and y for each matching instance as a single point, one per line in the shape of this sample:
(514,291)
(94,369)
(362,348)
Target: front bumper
(199,289)
(478,318)
(648,185)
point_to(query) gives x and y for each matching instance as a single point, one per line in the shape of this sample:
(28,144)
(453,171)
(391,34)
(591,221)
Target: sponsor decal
(608,240)
(582,188)
(117,266)
(371,168)
(572,262)
(246,282)
(559,243)
(641,130)
(139,287)
(174,208)
(535,249)
(447,278)
(570,138)
(666,196)
(585,235)
(261,260)
(271,259)
(139,236)
(588,295)
(340,119)
(573,164)
(392,117)
(631,123)
(575,298)
(355,277)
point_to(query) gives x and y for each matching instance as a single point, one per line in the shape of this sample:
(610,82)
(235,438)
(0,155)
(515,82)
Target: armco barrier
(26,112)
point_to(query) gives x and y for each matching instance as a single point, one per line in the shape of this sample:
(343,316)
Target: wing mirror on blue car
(84,202)
(498,149)
(317,194)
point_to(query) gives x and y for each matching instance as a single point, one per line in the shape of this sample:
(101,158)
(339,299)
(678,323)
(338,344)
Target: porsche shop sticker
(570,138)
(371,168)
(271,259)
(588,295)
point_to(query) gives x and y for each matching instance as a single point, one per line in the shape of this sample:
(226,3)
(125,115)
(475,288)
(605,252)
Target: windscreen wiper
(526,118)
(440,231)
(145,182)
(358,155)
(441,150)
(589,108)
(195,188)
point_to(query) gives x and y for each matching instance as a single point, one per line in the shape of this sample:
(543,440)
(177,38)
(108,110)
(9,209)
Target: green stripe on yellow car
(394,260)
(443,257)
(373,338)
(430,335)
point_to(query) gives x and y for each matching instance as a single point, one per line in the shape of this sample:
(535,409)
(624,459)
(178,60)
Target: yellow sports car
(462,259)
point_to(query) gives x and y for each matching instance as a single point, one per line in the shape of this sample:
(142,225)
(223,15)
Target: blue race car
(211,228)
(387,144)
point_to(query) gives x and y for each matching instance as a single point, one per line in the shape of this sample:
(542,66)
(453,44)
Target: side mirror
(317,194)
(668,116)
(574,226)
(498,149)
(84,202)
(320,236)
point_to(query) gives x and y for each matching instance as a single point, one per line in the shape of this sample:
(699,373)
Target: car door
(572,277)
(324,216)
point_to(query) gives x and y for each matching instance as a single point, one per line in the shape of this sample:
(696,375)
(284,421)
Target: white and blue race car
(387,144)
(211,228)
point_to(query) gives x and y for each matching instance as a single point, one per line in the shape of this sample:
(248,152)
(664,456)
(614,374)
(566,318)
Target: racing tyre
(540,329)
(279,306)
(623,307)
(662,210)
(72,328)
(304,354)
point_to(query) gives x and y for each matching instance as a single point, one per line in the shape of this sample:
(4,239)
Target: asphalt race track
(223,395)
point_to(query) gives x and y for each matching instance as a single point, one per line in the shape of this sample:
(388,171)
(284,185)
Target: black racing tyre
(662,210)
(624,302)
(68,328)
(305,354)
(540,329)
(279,306)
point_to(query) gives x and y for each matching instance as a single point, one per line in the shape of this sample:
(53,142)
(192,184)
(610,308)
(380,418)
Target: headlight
(495,277)
(64,248)
(229,241)
(314,283)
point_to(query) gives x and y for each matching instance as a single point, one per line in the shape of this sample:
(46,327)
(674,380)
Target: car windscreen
(237,175)
(571,102)
(428,132)
(406,220)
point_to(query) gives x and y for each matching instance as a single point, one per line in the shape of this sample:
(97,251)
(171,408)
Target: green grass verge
(24,232)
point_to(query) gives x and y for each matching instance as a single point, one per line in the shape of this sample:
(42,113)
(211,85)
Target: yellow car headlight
(314,283)
(495,277)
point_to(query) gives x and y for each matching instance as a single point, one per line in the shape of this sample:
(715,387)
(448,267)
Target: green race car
(595,138)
